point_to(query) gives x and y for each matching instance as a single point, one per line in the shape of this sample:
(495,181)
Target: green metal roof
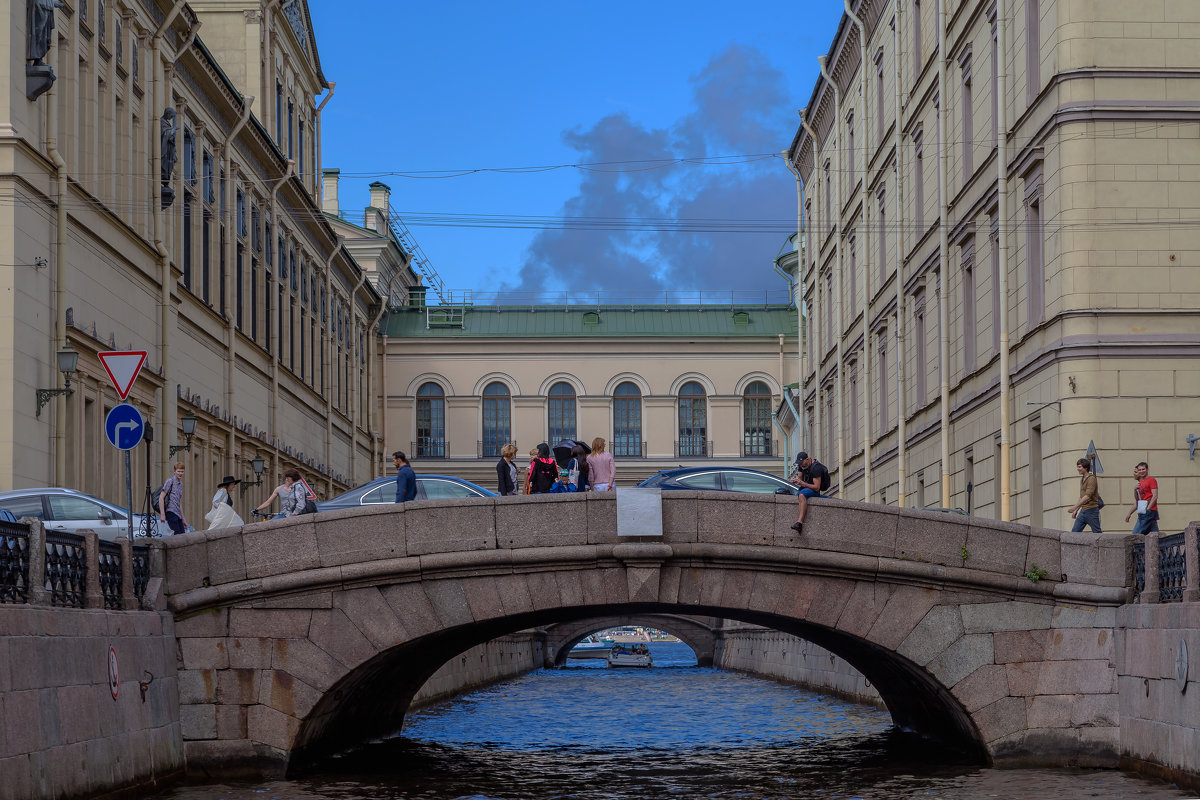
(465,322)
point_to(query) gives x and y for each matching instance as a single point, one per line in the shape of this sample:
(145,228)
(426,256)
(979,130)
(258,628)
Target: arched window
(497,418)
(431,422)
(561,412)
(627,421)
(693,421)
(756,420)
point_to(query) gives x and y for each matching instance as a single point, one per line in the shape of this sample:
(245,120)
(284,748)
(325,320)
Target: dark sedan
(383,490)
(721,479)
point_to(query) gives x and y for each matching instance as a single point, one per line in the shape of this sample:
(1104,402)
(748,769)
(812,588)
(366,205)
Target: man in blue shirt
(406,479)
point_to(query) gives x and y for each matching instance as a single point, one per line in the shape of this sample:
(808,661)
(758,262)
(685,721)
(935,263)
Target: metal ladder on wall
(419,260)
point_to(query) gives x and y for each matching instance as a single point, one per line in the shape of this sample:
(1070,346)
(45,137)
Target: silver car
(72,511)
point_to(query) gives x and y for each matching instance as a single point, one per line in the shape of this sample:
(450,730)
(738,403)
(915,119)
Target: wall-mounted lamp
(188,423)
(258,466)
(68,359)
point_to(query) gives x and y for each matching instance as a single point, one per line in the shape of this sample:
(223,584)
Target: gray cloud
(739,106)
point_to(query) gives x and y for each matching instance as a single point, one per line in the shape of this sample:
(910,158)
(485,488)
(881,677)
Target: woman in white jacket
(222,514)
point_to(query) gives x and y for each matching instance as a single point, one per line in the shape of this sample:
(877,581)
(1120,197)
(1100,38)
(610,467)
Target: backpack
(544,476)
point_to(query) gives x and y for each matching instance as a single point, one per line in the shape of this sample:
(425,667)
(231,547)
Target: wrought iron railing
(1162,574)
(756,446)
(693,447)
(429,447)
(66,569)
(71,570)
(628,448)
(14,562)
(109,558)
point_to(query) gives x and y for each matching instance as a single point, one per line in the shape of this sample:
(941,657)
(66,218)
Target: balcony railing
(759,447)
(693,447)
(628,448)
(490,449)
(430,447)
(73,570)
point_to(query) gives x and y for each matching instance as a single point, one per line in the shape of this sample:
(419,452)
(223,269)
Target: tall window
(995,78)
(882,352)
(882,199)
(916,39)
(187,239)
(879,93)
(561,412)
(851,156)
(693,420)
(852,297)
(1034,249)
(756,417)
(919,336)
(994,227)
(431,421)
(497,416)
(828,197)
(968,301)
(968,113)
(852,376)
(919,182)
(1033,49)
(627,421)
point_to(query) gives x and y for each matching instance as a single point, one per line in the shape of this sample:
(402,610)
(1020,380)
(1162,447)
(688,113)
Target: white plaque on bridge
(639,512)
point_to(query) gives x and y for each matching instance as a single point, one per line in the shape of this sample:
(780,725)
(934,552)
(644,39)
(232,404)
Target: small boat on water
(637,655)
(591,647)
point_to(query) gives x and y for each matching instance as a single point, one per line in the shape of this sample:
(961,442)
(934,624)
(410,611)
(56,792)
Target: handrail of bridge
(74,570)
(1166,568)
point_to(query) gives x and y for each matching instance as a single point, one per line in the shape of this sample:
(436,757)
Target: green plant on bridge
(1035,573)
(963,552)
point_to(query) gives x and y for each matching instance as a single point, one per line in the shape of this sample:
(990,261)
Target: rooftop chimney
(329,191)
(380,200)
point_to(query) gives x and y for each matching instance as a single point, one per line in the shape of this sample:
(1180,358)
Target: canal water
(586,732)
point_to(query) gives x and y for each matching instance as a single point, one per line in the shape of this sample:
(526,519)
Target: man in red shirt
(1146,506)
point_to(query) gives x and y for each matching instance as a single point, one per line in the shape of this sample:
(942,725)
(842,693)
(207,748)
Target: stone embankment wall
(63,733)
(783,657)
(1158,652)
(492,662)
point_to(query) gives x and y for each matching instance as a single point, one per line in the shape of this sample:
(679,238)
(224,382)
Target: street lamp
(188,423)
(258,465)
(67,361)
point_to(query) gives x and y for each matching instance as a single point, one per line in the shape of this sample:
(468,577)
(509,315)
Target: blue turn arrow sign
(124,427)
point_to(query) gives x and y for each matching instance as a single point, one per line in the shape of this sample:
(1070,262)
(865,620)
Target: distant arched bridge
(696,633)
(303,637)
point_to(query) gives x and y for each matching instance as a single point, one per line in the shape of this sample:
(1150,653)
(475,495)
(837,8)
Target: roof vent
(741,318)
(591,318)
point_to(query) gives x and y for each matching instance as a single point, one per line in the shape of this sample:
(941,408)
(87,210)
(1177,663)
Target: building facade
(1000,254)
(162,197)
(665,386)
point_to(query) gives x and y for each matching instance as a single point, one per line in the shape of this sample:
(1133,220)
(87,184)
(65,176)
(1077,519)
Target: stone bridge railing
(53,568)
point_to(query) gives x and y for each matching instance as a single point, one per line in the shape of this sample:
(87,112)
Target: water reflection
(585,732)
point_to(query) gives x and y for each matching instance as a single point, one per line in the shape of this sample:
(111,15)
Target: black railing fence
(70,570)
(1166,569)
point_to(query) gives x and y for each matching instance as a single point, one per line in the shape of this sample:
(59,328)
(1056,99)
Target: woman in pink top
(601,468)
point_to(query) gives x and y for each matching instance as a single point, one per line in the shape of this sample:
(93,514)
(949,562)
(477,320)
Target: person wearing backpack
(170,501)
(543,472)
(1086,511)
(812,479)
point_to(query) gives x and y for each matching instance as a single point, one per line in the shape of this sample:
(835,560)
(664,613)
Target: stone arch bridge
(698,633)
(300,638)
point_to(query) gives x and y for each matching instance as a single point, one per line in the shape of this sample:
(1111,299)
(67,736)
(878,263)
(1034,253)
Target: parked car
(383,490)
(721,479)
(71,511)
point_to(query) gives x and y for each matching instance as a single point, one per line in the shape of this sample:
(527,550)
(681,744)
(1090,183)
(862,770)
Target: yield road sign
(123,367)
(124,427)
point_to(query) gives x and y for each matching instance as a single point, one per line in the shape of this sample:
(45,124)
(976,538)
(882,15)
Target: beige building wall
(1099,154)
(95,262)
(464,362)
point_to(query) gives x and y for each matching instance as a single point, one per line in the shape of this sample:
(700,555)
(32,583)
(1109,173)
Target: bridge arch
(692,632)
(324,627)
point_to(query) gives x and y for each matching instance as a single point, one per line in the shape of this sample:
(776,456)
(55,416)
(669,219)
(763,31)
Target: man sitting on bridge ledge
(812,478)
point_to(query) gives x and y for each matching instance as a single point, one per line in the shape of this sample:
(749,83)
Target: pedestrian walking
(291,493)
(601,469)
(170,501)
(222,515)
(812,478)
(506,471)
(1086,510)
(1145,503)
(406,479)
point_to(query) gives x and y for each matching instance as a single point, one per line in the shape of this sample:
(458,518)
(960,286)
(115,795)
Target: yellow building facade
(162,196)
(1000,262)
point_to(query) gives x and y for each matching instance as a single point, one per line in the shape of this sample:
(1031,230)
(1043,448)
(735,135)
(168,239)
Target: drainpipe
(901,321)
(60,257)
(161,92)
(864,274)
(277,283)
(801,332)
(838,392)
(231,263)
(1002,191)
(326,368)
(814,314)
(944,257)
(317,143)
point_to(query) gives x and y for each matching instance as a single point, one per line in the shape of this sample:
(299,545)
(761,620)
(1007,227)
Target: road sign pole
(129,496)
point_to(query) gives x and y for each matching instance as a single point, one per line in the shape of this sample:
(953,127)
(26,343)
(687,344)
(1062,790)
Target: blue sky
(425,91)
